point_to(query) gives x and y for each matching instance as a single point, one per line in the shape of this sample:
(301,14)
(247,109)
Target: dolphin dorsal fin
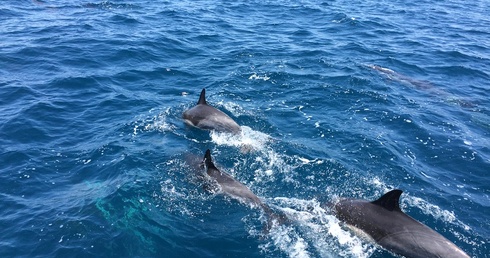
(390,200)
(202,98)
(208,160)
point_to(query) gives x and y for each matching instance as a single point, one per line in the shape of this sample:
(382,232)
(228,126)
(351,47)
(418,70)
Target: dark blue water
(336,99)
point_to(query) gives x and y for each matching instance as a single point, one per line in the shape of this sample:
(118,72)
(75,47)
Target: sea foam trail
(322,230)
(247,140)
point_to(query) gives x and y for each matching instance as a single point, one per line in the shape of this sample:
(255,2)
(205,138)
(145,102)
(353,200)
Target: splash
(435,211)
(235,109)
(288,241)
(268,164)
(248,140)
(157,122)
(322,230)
(254,76)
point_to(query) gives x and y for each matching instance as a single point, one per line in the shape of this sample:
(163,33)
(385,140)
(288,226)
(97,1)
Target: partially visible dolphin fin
(390,200)
(208,160)
(202,98)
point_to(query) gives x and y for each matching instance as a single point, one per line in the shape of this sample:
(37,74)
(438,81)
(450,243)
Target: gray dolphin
(392,75)
(421,85)
(230,185)
(207,117)
(239,191)
(394,230)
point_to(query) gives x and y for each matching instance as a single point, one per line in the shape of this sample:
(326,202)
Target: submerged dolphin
(392,75)
(237,190)
(207,117)
(394,230)
(421,85)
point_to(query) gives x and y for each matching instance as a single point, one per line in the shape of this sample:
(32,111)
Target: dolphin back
(421,243)
(390,200)
(241,192)
(207,117)
(208,160)
(202,98)
(394,230)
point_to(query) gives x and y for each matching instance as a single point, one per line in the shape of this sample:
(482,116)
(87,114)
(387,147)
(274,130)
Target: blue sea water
(336,98)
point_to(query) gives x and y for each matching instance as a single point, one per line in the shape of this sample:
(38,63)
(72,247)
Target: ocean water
(336,98)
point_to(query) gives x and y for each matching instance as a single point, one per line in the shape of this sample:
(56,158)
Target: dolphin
(421,85)
(239,191)
(207,117)
(392,75)
(394,230)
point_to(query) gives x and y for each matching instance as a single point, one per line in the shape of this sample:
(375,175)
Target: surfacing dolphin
(239,191)
(207,117)
(394,230)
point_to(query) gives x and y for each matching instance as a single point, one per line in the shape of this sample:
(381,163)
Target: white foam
(153,122)
(320,228)
(248,138)
(168,189)
(288,241)
(268,161)
(254,76)
(234,108)
(435,211)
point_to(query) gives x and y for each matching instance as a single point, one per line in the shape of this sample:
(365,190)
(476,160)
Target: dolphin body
(207,117)
(239,191)
(394,230)
(392,75)
(421,85)
(230,185)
